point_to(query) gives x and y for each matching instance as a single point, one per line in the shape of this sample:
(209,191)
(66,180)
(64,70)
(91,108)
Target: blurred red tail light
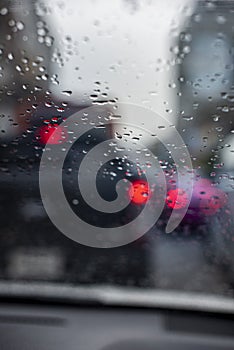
(139,192)
(52,134)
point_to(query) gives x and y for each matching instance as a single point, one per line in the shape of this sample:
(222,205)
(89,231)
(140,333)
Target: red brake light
(177,199)
(139,192)
(56,132)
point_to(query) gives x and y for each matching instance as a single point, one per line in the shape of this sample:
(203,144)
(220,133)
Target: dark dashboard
(49,326)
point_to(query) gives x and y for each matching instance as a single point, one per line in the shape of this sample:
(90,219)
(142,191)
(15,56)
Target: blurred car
(206,102)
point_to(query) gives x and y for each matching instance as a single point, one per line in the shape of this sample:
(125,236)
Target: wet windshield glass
(117,143)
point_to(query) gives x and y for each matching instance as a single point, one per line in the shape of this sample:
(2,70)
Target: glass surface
(119,59)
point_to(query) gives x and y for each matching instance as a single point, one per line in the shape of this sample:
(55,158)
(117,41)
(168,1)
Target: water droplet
(186,49)
(45,77)
(225,109)
(218,165)
(11,23)
(49,40)
(60,109)
(67,92)
(10,56)
(18,68)
(216,118)
(4,11)
(231,98)
(220,19)
(48,104)
(20,25)
(187,117)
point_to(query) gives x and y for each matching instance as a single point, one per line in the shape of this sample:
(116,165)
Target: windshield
(117,144)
